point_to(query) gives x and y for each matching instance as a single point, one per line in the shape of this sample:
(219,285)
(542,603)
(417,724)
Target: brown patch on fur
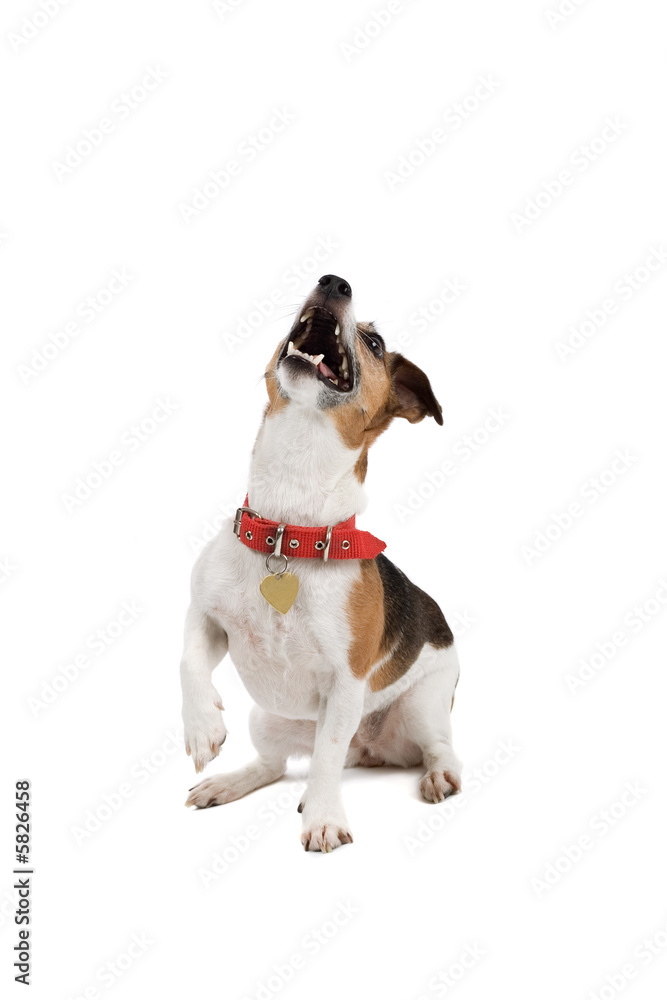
(276,401)
(361,467)
(388,674)
(363,420)
(390,386)
(390,617)
(366,618)
(350,424)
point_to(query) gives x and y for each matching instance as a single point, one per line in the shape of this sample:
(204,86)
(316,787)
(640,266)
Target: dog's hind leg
(275,739)
(426,708)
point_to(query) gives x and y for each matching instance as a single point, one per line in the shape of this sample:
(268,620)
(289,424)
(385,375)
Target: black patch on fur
(411,618)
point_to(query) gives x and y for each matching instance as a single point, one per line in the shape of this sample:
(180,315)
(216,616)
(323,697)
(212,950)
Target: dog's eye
(374,343)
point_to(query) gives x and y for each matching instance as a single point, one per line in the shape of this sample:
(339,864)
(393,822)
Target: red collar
(344,540)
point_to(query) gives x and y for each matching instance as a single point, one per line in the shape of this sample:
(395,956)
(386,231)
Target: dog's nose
(335,287)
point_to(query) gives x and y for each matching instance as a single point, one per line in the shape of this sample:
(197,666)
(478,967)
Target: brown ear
(413,395)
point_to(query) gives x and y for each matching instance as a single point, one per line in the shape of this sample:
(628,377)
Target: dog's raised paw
(205,732)
(436,786)
(325,838)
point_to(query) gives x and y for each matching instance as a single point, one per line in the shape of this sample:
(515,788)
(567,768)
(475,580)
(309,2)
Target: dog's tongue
(326,371)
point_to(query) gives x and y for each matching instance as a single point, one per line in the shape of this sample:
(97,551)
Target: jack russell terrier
(347,660)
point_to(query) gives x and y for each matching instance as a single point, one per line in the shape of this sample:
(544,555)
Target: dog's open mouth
(316,341)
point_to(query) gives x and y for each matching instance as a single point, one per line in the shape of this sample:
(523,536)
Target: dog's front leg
(205,645)
(325,825)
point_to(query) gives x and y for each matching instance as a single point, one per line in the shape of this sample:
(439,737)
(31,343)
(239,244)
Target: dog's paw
(205,731)
(325,838)
(211,792)
(326,832)
(436,786)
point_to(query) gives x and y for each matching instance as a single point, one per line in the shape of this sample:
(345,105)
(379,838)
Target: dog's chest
(285,661)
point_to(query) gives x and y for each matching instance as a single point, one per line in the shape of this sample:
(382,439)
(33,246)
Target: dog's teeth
(334,380)
(308,315)
(337,330)
(292,351)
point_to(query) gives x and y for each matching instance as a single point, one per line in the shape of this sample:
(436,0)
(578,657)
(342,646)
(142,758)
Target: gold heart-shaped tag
(280,591)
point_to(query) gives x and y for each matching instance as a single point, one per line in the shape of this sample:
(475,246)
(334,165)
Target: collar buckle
(237,520)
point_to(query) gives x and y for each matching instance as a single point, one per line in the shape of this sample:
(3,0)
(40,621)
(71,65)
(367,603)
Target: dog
(347,660)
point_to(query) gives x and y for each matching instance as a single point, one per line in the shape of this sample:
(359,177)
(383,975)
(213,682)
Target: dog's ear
(413,396)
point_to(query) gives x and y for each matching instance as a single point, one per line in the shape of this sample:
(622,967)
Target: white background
(526,619)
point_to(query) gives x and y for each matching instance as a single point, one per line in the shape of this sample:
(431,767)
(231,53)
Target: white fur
(296,666)
(301,470)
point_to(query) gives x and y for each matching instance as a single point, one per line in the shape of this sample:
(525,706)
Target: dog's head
(331,363)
